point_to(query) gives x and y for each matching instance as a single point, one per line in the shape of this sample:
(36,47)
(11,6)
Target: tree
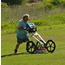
(11,2)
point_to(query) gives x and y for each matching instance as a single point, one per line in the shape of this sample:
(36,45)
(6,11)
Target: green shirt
(22,33)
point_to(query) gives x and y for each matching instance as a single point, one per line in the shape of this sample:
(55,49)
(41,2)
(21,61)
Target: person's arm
(21,28)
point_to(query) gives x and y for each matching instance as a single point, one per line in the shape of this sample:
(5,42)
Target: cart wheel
(39,45)
(50,46)
(30,47)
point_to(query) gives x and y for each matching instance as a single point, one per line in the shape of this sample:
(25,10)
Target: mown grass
(8,43)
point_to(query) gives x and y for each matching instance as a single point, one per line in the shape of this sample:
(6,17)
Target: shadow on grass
(24,53)
(12,54)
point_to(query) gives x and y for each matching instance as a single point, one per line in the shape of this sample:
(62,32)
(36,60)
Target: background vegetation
(12,2)
(42,13)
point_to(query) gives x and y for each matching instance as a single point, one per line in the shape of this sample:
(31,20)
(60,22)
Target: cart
(40,45)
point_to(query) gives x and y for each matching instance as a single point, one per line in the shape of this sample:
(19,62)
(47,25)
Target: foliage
(32,1)
(50,20)
(4,5)
(11,27)
(63,4)
(51,4)
(42,14)
(56,2)
(12,2)
(13,13)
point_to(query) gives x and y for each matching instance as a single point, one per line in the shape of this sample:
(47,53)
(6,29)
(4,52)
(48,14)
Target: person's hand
(24,28)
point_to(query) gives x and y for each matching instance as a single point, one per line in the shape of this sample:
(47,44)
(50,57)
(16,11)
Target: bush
(4,5)
(58,2)
(7,27)
(46,5)
(51,4)
(63,4)
(12,2)
(50,20)
(11,27)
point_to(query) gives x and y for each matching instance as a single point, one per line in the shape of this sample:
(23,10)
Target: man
(21,32)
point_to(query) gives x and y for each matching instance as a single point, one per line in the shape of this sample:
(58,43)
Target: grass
(8,43)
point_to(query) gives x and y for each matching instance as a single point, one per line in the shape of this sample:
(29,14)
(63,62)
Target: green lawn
(8,43)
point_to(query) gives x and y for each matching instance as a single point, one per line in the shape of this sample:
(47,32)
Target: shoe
(15,51)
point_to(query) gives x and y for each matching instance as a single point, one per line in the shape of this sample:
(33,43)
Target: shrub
(12,2)
(51,4)
(58,2)
(46,5)
(3,5)
(7,27)
(10,27)
(63,3)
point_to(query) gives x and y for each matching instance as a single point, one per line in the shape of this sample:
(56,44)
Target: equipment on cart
(31,28)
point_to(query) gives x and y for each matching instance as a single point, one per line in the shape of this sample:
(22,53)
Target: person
(22,35)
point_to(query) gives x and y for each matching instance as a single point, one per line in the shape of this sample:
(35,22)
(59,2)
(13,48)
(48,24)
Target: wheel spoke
(50,48)
(49,43)
(31,49)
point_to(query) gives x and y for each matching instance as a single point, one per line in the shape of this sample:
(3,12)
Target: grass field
(8,43)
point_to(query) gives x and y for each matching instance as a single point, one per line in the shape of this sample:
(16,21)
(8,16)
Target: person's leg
(27,40)
(16,48)
(19,41)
